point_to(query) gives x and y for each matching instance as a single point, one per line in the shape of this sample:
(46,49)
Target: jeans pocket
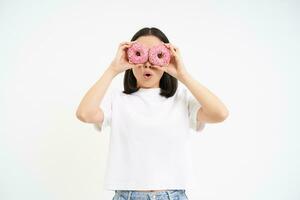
(180,196)
(184,196)
(116,196)
(119,196)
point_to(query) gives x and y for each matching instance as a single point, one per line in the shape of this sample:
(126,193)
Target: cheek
(137,72)
(159,75)
(159,72)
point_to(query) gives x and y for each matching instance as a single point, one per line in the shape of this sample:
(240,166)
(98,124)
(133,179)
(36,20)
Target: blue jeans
(156,195)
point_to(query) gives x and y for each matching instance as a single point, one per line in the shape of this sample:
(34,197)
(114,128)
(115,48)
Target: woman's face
(142,80)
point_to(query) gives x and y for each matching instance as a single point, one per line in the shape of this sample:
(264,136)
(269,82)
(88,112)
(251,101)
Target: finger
(159,67)
(174,47)
(164,68)
(126,43)
(167,45)
(173,51)
(131,42)
(135,66)
(122,43)
(171,48)
(124,46)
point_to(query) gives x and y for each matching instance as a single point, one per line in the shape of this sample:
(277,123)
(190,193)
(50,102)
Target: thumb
(164,67)
(157,67)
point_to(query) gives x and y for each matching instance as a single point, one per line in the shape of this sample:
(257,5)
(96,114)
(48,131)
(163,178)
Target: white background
(245,52)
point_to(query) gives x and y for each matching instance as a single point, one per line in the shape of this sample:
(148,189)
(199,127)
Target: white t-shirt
(149,138)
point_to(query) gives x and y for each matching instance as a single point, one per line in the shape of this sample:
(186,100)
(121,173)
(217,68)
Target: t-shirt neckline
(148,91)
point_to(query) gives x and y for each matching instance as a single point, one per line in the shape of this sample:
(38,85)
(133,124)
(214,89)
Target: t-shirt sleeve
(193,106)
(106,106)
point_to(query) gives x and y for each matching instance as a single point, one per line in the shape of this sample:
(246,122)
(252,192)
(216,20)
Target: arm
(212,110)
(88,109)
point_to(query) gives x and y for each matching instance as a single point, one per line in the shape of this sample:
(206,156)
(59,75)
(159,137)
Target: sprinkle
(159,55)
(137,53)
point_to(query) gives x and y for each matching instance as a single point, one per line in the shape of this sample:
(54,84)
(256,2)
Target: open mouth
(147,75)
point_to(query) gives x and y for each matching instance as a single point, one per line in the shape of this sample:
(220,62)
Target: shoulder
(182,91)
(110,96)
(117,95)
(114,92)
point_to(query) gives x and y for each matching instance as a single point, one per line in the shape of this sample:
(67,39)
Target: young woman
(150,120)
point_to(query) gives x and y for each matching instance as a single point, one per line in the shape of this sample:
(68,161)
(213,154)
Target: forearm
(211,104)
(92,99)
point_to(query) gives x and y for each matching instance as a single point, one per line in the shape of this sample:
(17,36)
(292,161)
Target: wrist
(183,76)
(111,71)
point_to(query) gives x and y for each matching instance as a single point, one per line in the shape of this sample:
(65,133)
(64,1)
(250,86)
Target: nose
(147,64)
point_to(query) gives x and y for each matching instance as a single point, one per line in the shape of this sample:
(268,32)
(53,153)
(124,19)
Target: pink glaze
(137,53)
(159,55)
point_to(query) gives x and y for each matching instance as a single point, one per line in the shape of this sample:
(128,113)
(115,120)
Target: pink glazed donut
(137,53)
(159,55)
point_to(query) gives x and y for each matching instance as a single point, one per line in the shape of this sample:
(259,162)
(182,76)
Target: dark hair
(168,84)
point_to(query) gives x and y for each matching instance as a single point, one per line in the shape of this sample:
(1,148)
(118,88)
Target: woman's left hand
(176,67)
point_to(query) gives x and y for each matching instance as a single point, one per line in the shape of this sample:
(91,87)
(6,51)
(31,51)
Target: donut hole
(138,53)
(160,55)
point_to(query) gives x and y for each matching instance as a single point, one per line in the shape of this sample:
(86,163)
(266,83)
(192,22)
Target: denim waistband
(127,194)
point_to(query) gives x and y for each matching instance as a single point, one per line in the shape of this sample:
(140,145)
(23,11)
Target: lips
(147,74)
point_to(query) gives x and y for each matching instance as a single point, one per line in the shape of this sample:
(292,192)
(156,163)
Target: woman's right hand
(120,62)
